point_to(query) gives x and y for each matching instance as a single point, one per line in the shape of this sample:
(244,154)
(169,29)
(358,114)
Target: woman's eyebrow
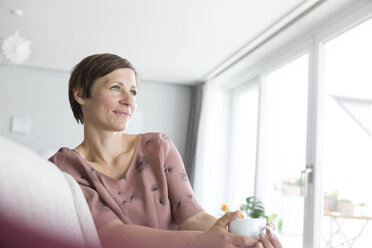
(114,82)
(121,83)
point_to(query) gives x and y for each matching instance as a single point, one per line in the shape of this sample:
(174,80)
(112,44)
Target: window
(282,146)
(243,145)
(347,156)
(315,112)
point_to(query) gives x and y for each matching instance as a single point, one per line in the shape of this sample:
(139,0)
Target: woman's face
(112,102)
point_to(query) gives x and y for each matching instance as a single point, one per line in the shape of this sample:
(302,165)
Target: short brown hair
(85,73)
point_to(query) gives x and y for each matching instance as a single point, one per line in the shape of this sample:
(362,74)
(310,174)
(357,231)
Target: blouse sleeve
(180,193)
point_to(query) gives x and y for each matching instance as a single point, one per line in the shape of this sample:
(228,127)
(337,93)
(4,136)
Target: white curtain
(211,167)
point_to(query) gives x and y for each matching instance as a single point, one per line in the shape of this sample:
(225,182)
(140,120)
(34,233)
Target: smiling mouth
(123,114)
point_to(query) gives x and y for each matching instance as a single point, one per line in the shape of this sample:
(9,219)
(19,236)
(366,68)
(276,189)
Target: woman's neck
(102,146)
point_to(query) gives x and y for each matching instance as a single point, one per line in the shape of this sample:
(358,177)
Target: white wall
(42,96)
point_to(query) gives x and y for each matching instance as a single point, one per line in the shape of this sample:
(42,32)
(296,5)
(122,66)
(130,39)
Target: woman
(135,185)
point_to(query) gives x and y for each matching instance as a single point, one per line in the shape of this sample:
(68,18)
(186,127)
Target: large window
(346,162)
(282,146)
(243,144)
(307,124)
(347,153)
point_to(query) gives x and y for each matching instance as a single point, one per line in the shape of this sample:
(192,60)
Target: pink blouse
(155,191)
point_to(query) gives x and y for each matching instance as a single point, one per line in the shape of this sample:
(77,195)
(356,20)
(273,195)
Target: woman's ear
(78,95)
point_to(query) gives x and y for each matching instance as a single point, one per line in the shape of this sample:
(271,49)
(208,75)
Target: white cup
(249,227)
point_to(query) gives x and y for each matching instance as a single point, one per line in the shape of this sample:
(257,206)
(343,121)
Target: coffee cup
(250,227)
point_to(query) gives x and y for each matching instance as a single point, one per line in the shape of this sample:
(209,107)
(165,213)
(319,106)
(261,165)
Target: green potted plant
(255,212)
(253,208)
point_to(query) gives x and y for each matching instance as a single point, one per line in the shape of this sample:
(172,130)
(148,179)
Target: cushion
(35,195)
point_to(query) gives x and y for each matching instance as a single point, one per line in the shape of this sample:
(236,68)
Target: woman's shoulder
(157,137)
(156,141)
(152,134)
(62,154)
(66,159)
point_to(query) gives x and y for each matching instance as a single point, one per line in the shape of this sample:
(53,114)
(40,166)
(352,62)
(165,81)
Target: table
(339,219)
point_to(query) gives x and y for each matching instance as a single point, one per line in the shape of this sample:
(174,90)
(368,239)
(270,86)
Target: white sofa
(38,200)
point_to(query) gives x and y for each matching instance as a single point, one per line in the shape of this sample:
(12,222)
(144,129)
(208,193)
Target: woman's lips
(122,113)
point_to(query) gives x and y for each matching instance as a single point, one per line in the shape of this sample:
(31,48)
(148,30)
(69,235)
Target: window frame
(314,46)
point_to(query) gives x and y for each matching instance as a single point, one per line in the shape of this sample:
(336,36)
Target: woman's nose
(127,98)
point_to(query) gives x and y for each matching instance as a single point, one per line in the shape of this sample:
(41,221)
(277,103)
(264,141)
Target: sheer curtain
(212,148)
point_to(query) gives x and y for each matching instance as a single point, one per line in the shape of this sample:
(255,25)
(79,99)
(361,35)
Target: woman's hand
(218,236)
(269,240)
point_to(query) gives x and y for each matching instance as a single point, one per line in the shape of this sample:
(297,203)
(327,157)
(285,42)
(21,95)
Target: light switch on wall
(21,125)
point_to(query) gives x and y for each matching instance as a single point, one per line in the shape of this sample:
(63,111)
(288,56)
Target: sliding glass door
(347,139)
(314,142)
(282,147)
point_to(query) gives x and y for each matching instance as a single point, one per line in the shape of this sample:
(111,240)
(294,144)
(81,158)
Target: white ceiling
(175,41)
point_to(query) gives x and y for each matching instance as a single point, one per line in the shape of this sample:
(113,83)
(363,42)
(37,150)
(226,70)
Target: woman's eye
(116,88)
(134,92)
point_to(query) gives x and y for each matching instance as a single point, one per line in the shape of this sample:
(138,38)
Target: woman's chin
(121,128)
